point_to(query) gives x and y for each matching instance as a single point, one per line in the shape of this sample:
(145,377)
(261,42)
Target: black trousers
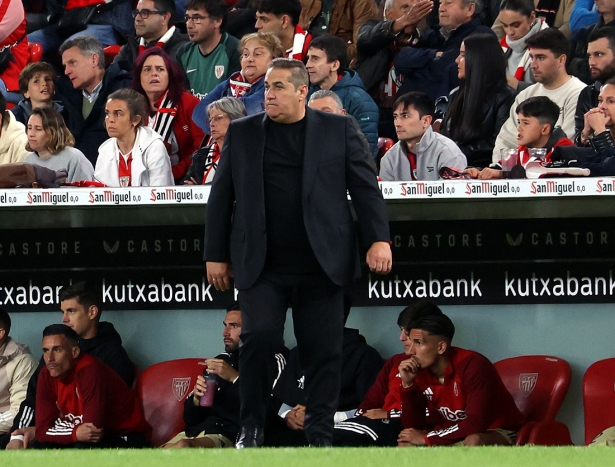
(318,317)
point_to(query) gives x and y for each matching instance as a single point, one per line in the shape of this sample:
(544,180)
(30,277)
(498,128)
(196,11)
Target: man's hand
(376,414)
(219,275)
(219,367)
(408,369)
(89,433)
(412,17)
(379,258)
(295,418)
(411,437)
(29,435)
(200,388)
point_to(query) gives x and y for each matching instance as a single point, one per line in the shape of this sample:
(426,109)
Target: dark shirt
(288,246)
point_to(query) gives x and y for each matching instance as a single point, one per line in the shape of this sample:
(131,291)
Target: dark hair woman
(161,81)
(481,104)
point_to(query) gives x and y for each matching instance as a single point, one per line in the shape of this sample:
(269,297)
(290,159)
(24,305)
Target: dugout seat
(162,389)
(599,397)
(538,384)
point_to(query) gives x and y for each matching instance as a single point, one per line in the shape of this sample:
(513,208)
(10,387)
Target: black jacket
(577,62)
(588,99)
(496,110)
(106,346)
(91,133)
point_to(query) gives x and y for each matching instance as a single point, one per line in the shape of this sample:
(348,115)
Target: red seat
(36,51)
(599,398)
(538,384)
(384,144)
(162,388)
(110,52)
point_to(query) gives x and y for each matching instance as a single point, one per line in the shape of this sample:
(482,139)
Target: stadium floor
(526,456)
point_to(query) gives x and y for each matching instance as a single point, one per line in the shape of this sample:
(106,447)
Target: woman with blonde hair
(51,143)
(134,155)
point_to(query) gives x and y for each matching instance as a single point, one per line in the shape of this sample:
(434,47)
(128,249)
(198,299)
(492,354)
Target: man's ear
(546,129)
(442,347)
(427,119)
(335,66)
(76,351)
(93,312)
(286,22)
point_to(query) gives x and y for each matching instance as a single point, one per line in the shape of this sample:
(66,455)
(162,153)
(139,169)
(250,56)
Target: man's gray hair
(88,46)
(388,5)
(323,93)
(231,106)
(478,6)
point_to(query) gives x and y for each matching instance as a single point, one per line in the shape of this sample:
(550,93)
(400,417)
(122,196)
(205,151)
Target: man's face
(605,6)
(59,354)
(268,22)
(318,67)
(601,60)
(606,103)
(409,125)
(154,26)
(425,347)
(200,26)
(530,130)
(81,70)
(326,104)
(399,9)
(232,331)
(545,65)
(40,88)
(283,103)
(75,316)
(453,14)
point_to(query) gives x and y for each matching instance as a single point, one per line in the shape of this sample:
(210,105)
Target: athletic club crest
(527,382)
(180,387)
(219,71)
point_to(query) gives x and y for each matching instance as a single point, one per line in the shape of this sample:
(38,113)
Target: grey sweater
(69,158)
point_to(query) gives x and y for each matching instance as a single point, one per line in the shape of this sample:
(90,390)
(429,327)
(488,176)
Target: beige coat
(13,140)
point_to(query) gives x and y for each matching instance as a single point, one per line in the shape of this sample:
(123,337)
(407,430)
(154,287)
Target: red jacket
(13,36)
(385,393)
(471,400)
(189,135)
(91,393)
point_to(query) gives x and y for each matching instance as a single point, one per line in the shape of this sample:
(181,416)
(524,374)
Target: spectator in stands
(13,137)
(134,154)
(378,42)
(257,52)
(452,395)
(51,143)
(220,114)
(37,84)
(583,14)
(377,420)
(480,106)
(341,18)
(217,426)
(81,402)
(554,15)
(536,129)
(154,27)
(601,53)
(84,90)
(423,65)
(212,55)
(578,62)
(14,51)
(109,25)
(281,17)
(518,18)
(16,367)
(327,101)
(81,306)
(420,152)
(361,364)
(160,80)
(326,65)
(548,50)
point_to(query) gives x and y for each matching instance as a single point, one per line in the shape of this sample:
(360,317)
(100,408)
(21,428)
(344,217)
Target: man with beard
(601,55)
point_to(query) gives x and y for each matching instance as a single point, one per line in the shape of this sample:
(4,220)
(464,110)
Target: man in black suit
(278,212)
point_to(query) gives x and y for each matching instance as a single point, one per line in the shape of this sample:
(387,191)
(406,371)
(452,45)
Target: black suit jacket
(335,160)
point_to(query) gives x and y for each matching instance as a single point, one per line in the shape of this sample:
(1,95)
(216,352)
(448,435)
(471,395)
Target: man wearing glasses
(212,55)
(154,27)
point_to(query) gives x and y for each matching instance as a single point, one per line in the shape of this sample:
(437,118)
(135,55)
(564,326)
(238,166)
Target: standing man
(289,235)
(281,17)
(16,366)
(212,55)
(154,28)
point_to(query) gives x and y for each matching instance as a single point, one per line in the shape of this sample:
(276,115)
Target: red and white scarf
(211,164)
(526,61)
(239,85)
(161,42)
(301,44)
(162,121)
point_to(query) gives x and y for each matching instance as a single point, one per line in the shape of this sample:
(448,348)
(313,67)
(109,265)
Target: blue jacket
(254,101)
(419,67)
(359,104)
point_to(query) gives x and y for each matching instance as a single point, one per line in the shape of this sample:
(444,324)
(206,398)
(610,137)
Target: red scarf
(239,86)
(211,164)
(301,44)
(161,42)
(162,121)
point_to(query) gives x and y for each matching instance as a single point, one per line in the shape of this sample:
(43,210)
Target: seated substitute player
(536,128)
(452,395)
(377,420)
(81,402)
